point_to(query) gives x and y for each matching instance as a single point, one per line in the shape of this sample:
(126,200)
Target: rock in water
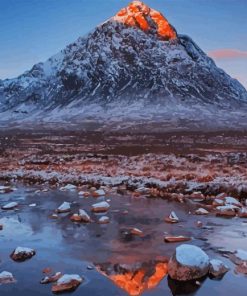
(136,231)
(226,211)
(67,283)
(239,256)
(100,207)
(201,211)
(217,268)
(6,278)
(52,278)
(68,187)
(64,208)
(104,220)
(22,254)
(5,189)
(82,216)
(188,263)
(10,206)
(176,239)
(172,218)
(98,193)
(243,212)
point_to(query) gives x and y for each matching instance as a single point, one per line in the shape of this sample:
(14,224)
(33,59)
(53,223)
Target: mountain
(136,58)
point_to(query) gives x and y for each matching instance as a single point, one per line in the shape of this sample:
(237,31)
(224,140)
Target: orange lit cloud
(227,54)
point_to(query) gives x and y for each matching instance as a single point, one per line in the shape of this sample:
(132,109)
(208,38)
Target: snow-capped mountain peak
(133,60)
(140,15)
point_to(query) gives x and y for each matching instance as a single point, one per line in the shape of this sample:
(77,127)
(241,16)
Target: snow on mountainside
(135,58)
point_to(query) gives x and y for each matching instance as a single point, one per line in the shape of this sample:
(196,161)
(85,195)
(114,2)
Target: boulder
(143,190)
(84,193)
(221,196)
(226,211)
(239,256)
(136,231)
(100,207)
(104,220)
(64,208)
(82,216)
(98,193)
(232,201)
(10,206)
(68,187)
(6,189)
(218,202)
(188,263)
(32,205)
(22,254)
(176,239)
(197,196)
(217,268)
(6,278)
(54,216)
(172,218)
(241,268)
(67,283)
(243,212)
(52,278)
(201,211)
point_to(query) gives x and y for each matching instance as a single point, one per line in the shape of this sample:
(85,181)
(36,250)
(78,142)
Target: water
(70,248)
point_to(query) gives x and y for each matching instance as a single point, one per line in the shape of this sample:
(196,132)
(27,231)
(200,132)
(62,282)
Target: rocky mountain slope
(135,58)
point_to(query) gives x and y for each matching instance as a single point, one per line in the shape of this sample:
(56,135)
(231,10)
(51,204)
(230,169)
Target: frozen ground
(211,162)
(173,115)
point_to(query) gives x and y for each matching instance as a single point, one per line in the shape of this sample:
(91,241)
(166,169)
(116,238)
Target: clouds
(227,54)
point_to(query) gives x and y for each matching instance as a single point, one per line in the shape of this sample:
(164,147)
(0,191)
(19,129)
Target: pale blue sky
(33,30)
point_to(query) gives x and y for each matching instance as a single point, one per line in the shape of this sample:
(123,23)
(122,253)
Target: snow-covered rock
(82,216)
(84,193)
(10,206)
(99,192)
(227,211)
(32,205)
(136,231)
(173,218)
(218,202)
(188,263)
(68,187)
(5,189)
(243,212)
(217,268)
(67,283)
(6,278)
(104,220)
(197,196)
(143,190)
(22,254)
(176,239)
(64,208)
(100,207)
(52,278)
(201,211)
(232,201)
(239,256)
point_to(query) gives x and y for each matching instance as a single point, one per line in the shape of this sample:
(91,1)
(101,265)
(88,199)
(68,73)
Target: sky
(33,30)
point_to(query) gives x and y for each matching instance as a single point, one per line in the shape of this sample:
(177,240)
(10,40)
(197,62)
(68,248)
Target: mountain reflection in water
(136,278)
